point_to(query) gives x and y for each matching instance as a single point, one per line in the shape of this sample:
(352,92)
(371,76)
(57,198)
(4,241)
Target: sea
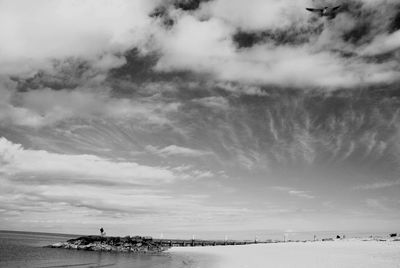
(26,249)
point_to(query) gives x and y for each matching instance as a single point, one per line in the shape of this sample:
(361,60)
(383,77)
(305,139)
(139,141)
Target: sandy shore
(342,253)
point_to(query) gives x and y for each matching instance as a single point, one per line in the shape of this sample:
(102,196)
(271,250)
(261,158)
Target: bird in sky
(329,12)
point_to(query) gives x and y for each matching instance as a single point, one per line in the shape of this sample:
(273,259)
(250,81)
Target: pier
(201,243)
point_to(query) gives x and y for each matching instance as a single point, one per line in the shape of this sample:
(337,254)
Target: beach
(348,253)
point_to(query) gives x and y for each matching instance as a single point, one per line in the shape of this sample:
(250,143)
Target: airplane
(329,12)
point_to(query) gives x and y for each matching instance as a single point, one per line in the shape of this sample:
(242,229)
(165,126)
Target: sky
(181,117)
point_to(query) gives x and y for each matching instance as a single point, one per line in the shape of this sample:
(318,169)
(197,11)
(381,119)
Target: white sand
(344,253)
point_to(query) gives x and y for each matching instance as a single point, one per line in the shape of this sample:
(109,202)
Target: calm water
(23,249)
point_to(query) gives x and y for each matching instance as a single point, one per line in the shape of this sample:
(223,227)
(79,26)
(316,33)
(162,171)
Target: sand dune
(342,253)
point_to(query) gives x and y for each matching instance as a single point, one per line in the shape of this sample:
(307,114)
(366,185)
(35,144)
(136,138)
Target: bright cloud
(207,46)
(295,50)
(174,150)
(383,44)
(19,161)
(34,33)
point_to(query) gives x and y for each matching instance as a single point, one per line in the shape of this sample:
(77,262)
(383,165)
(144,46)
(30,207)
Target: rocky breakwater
(118,244)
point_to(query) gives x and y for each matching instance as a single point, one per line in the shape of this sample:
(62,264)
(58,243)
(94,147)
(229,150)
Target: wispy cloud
(378,185)
(376,204)
(301,194)
(294,192)
(174,150)
(45,107)
(213,102)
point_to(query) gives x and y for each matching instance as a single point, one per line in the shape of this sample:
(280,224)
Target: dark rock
(125,244)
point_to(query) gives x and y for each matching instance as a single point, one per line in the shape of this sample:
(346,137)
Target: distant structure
(285,237)
(102,233)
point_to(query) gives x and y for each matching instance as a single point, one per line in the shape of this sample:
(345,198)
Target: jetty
(140,244)
(202,243)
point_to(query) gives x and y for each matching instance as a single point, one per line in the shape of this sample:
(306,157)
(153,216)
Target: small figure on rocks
(102,233)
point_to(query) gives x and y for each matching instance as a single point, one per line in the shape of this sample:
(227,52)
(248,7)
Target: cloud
(201,40)
(378,185)
(329,54)
(17,161)
(301,194)
(270,14)
(213,102)
(383,43)
(377,204)
(174,150)
(42,107)
(294,192)
(197,43)
(31,34)
(89,204)
(85,102)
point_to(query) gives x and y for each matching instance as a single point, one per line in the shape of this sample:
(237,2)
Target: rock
(125,244)
(57,245)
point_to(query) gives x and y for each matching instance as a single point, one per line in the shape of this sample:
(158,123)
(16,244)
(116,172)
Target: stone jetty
(118,244)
